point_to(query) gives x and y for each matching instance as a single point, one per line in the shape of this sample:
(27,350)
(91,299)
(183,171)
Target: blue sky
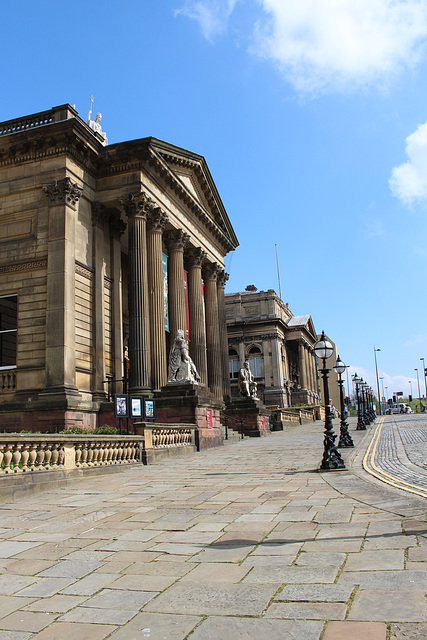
(312,119)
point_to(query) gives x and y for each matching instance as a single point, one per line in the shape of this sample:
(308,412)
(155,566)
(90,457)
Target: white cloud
(341,44)
(212,15)
(322,45)
(408,181)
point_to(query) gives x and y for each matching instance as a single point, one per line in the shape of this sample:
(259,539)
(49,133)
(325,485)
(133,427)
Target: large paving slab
(244,542)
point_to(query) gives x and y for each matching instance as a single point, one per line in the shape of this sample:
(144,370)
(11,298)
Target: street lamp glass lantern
(339,366)
(323,348)
(356,379)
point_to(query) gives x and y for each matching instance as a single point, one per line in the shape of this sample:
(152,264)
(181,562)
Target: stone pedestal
(254,413)
(192,403)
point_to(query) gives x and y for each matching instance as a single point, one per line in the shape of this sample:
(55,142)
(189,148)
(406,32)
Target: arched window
(255,361)
(233,364)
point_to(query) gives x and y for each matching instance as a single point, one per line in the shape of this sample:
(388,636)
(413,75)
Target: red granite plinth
(253,413)
(192,404)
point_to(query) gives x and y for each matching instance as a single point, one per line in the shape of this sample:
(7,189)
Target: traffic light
(410,398)
(394,399)
(425,371)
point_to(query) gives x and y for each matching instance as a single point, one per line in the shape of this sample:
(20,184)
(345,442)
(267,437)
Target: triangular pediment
(191,174)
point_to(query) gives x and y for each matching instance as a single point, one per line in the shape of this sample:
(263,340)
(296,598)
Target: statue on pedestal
(181,367)
(247,384)
(94,124)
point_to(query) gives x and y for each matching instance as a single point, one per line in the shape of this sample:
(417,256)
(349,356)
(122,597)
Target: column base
(254,413)
(192,403)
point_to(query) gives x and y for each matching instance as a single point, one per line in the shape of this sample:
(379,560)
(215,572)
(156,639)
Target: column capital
(136,204)
(222,278)
(63,192)
(195,257)
(99,214)
(175,240)
(210,270)
(156,219)
(117,225)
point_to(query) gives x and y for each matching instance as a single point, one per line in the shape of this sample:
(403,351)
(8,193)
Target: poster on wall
(149,409)
(121,406)
(209,418)
(165,290)
(136,407)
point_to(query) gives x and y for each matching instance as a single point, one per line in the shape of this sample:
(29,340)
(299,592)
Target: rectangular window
(233,367)
(8,331)
(255,365)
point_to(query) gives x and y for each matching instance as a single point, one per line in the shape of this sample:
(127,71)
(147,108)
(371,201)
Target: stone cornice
(69,137)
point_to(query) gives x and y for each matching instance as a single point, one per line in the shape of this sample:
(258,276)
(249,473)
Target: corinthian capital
(222,278)
(136,205)
(210,270)
(156,219)
(195,257)
(63,191)
(176,240)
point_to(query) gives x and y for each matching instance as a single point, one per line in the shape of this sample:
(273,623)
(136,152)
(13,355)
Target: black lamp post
(425,380)
(331,456)
(360,425)
(419,394)
(345,438)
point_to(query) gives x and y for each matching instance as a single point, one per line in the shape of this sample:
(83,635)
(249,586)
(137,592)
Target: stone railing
(62,112)
(7,381)
(165,436)
(40,453)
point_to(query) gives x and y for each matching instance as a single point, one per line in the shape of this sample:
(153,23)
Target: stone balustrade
(25,453)
(7,381)
(166,440)
(160,436)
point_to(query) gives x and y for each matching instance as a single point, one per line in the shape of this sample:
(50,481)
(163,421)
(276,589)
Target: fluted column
(302,369)
(139,329)
(175,242)
(156,221)
(213,341)
(222,279)
(195,258)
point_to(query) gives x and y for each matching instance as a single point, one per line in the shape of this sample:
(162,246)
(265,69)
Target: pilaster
(98,221)
(60,315)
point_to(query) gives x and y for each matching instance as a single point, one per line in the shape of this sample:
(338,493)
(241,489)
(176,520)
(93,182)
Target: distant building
(278,345)
(105,252)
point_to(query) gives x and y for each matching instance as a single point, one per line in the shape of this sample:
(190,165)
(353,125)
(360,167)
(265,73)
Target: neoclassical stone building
(278,345)
(105,251)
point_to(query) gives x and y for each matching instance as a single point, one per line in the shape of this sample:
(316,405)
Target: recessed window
(255,361)
(8,331)
(233,364)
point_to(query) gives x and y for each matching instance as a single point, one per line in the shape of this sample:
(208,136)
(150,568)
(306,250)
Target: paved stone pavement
(248,541)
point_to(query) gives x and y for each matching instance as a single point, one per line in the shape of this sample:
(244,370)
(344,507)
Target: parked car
(393,408)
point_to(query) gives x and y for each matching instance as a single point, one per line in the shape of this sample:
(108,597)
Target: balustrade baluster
(47,456)
(7,457)
(55,456)
(16,457)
